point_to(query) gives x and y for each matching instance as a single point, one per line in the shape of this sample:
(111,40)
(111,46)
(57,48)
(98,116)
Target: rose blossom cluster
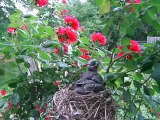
(133,2)
(12,30)
(68,35)
(134,47)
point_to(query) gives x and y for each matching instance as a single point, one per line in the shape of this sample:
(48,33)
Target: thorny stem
(112,62)
(112,55)
(37,68)
(31,75)
(138,108)
(146,80)
(19,67)
(135,97)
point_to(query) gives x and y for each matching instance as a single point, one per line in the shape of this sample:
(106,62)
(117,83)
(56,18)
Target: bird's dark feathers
(89,81)
(93,66)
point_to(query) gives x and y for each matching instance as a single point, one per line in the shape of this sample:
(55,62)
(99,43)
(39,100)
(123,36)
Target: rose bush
(53,48)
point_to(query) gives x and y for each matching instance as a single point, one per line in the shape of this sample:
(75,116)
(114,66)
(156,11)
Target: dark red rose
(67,35)
(3,92)
(134,2)
(134,47)
(42,3)
(85,54)
(65,49)
(56,83)
(64,12)
(72,22)
(98,37)
(11,30)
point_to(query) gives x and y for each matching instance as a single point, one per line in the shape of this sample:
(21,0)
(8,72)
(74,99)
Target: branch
(110,65)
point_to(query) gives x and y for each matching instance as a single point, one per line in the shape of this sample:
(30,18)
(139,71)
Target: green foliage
(29,65)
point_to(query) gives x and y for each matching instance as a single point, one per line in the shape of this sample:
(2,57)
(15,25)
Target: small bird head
(93,66)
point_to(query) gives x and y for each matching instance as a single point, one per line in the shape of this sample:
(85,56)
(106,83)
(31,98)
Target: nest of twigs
(94,106)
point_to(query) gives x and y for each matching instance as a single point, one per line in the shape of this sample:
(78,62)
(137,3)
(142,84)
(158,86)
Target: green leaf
(117,50)
(13,85)
(127,96)
(49,31)
(27,65)
(155,2)
(125,41)
(84,40)
(14,25)
(104,7)
(123,30)
(27,15)
(127,84)
(76,53)
(146,90)
(2,102)
(19,59)
(130,31)
(45,56)
(15,99)
(48,44)
(140,117)
(23,33)
(132,107)
(118,82)
(110,77)
(146,65)
(137,84)
(138,76)
(99,2)
(130,65)
(156,74)
(101,53)
(149,99)
(156,88)
(2,71)
(35,114)
(62,64)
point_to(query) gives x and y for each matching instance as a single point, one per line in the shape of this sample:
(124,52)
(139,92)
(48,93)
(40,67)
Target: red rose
(11,30)
(3,92)
(64,12)
(9,105)
(86,57)
(64,1)
(40,110)
(134,47)
(18,106)
(24,27)
(67,35)
(42,3)
(134,2)
(47,117)
(85,54)
(56,83)
(65,49)
(82,28)
(98,37)
(72,22)
(151,110)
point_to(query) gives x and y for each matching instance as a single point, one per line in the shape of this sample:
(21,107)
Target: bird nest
(94,106)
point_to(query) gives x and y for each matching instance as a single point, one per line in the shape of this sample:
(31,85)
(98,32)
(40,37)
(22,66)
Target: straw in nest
(94,106)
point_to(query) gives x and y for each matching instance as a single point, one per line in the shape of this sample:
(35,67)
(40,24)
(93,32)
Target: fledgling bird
(90,81)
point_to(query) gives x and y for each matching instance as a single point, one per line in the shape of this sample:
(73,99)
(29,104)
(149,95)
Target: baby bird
(90,81)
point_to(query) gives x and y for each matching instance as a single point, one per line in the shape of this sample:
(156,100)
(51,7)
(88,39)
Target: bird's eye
(78,85)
